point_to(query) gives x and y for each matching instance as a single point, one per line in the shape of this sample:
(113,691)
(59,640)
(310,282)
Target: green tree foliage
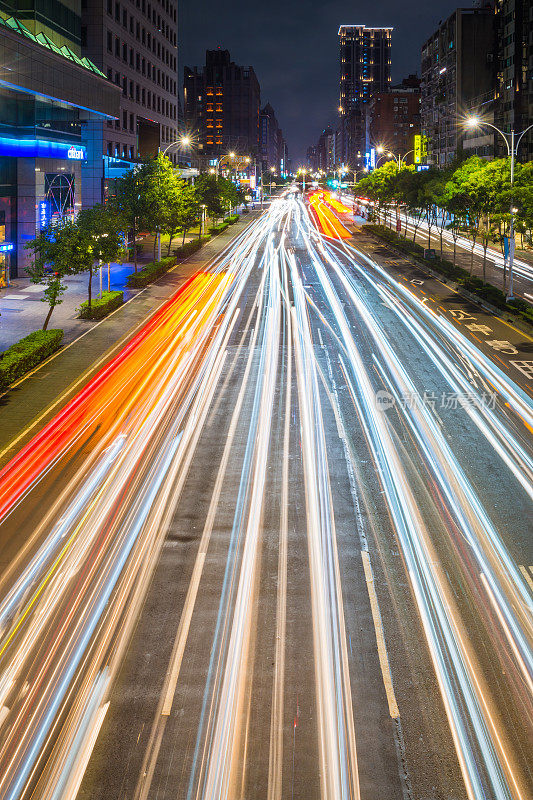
(55,252)
(182,212)
(99,239)
(130,202)
(471,197)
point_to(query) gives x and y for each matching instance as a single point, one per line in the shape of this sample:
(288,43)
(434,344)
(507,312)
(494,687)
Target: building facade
(222,105)
(49,97)
(272,143)
(326,150)
(458,73)
(134,43)
(514,107)
(365,69)
(394,118)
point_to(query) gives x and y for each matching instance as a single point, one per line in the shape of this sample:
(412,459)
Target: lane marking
(380,638)
(526,573)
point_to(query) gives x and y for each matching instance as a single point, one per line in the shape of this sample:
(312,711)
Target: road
(495,263)
(279,546)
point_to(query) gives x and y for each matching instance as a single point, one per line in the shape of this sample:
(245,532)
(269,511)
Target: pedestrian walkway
(26,407)
(523,274)
(22,312)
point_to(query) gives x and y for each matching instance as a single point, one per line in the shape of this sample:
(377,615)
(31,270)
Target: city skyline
(301,80)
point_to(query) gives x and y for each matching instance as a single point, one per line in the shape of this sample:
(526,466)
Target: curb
(518,322)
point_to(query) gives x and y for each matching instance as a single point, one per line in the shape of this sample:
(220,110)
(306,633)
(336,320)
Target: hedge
(102,306)
(191,247)
(214,229)
(231,220)
(23,356)
(150,272)
(473,284)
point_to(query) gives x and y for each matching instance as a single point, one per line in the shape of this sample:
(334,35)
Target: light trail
(70,600)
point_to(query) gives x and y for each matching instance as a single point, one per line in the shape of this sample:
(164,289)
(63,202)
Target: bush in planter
(102,306)
(232,219)
(191,247)
(218,228)
(23,356)
(150,272)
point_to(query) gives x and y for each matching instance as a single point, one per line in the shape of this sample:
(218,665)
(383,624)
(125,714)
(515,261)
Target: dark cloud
(292,45)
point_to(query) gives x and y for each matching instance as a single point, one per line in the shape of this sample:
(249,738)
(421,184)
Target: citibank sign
(76,154)
(41,148)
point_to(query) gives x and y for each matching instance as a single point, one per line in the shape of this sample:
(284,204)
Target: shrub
(150,272)
(191,247)
(218,228)
(102,306)
(232,219)
(471,283)
(23,356)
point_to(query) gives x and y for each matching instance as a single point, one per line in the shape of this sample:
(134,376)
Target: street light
(272,171)
(304,173)
(385,155)
(512,153)
(401,159)
(184,141)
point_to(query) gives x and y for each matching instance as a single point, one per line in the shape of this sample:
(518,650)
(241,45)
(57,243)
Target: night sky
(293,47)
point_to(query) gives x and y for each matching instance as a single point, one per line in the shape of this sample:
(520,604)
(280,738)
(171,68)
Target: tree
(217,194)
(99,238)
(410,188)
(182,212)
(161,187)
(130,202)
(380,186)
(54,251)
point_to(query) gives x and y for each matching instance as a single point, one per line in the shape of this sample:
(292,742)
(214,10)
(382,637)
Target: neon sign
(41,148)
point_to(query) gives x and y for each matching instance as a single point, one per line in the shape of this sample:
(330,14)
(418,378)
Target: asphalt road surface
(279,547)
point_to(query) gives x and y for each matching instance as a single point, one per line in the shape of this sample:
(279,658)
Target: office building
(222,104)
(458,75)
(365,69)
(326,150)
(394,118)
(134,43)
(514,107)
(272,143)
(48,96)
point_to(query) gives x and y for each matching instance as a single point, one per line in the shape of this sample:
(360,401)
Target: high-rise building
(49,95)
(458,74)
(365,69)
(272,143)
(514,108)
(134,43)
(222,107)
(394,118)
(326,150)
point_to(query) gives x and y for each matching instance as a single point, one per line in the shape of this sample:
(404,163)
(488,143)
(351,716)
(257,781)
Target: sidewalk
(522,273)
(29,405)
(22,311)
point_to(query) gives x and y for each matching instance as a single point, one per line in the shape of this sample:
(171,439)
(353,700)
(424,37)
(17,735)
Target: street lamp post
(184,141)
(400,160)
(271,170)
(512,145)
(304,173)
(228,157)
(385,155)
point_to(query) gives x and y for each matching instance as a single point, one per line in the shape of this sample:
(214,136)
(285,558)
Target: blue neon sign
(41,148)
(6,247)
(44,213)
